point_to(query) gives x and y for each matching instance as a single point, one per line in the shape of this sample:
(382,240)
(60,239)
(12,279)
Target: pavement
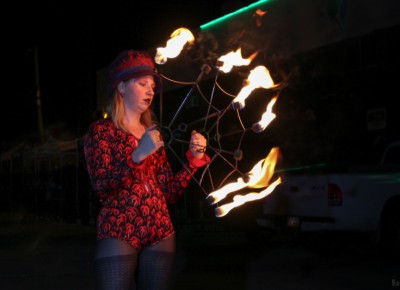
(46,255)
(54,255)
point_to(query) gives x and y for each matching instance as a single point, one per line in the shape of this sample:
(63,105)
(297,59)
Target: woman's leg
(115,265)
(156,265)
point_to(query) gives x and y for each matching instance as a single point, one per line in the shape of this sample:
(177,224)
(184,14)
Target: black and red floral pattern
(133,197)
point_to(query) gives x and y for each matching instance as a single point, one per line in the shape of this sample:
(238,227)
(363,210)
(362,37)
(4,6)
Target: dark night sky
(74,40)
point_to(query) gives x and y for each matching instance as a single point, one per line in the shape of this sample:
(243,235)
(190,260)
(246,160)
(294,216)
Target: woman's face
(138,93)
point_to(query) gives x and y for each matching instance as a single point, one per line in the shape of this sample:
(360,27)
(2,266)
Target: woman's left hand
(198,144)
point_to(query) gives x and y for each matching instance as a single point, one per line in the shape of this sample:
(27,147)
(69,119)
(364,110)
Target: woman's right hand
(198,144)
(150,142)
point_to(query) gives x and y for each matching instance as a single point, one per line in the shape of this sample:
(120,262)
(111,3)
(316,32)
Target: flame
(174,46)
(258,177)
(242,199)
(262,172)
(259,77)
(266,118)
(221,193)
(234,59)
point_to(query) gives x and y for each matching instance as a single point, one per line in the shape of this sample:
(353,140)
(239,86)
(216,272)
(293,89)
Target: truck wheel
(390,234)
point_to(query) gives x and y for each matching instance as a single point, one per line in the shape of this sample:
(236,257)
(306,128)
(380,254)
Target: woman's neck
(134,125)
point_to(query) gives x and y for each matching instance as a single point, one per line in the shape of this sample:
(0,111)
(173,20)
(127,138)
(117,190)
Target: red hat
(131,64)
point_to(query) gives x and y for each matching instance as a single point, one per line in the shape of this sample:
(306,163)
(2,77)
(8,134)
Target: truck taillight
(335,195)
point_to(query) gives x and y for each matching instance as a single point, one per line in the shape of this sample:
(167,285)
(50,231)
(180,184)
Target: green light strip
(225,17)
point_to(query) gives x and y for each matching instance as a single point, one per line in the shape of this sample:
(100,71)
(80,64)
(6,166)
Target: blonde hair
(147,118)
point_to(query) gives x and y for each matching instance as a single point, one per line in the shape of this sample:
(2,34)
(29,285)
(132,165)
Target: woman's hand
(198,144)
(150,142)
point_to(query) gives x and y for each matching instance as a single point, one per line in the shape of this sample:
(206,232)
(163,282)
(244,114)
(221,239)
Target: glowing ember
(234,59)
(259,77)
(259,177)
(259,12)
(174,46)
(266,118)
(258,15)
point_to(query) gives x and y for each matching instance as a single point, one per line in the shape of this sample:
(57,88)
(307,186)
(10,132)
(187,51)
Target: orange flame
(259,77)
(234,59)
(174,46)
(266,118)
(259,176)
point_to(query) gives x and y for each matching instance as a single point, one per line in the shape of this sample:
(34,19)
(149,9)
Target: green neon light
(305,167)
(232,14)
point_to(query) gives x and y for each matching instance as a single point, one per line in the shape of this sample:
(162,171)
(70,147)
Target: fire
(258,177)
(259,77)
(174,46)
(234,59)
(266,118)
(242,199)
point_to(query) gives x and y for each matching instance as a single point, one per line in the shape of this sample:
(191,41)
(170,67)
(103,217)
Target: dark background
(322,115)
(74,39)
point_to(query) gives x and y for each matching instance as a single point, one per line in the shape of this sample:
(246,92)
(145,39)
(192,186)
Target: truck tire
(390,232)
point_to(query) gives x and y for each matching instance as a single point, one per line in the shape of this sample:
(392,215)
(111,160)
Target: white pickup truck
(359,200)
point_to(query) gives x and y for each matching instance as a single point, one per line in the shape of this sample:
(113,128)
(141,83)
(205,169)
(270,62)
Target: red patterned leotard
(133,196)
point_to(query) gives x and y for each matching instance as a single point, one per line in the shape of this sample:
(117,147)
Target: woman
(130,174)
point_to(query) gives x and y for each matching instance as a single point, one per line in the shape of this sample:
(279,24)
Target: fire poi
(262,174)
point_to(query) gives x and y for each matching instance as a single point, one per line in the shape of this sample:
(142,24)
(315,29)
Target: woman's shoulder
(101,126)
(104,122)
